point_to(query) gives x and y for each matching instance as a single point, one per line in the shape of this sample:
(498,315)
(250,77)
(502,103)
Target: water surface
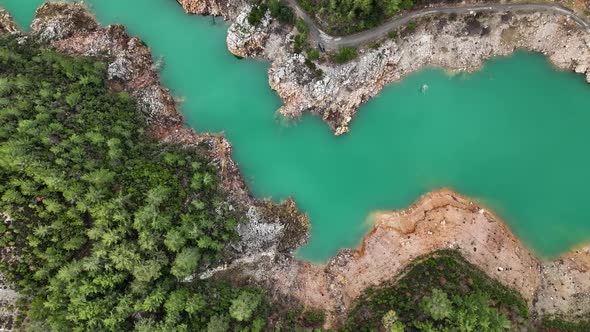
(513,135)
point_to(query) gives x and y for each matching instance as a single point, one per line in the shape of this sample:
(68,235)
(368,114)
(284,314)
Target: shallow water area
(512,135)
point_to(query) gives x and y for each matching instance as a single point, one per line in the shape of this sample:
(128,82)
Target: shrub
(375,45)
(299,43)
(411,27)
(301,26)
(280,11)
(345,54)
(257,14)
(313,54)
(437,306)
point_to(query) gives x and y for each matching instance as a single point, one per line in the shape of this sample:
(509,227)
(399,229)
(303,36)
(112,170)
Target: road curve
(364,37)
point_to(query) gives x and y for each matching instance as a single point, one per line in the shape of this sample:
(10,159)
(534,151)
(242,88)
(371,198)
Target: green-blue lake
(513,135)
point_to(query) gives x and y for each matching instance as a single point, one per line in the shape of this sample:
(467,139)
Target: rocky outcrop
(245,40)
(229,9)
(7,24)
(60,20)
(459,44)
(8,311)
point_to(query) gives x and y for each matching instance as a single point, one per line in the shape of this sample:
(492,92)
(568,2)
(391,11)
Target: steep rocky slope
(225,8)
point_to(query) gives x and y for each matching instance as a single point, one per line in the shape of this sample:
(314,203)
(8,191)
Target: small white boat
(424,88)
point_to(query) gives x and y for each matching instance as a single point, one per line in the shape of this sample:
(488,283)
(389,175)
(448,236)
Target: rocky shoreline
(460,43)
(440,220)
(228,9)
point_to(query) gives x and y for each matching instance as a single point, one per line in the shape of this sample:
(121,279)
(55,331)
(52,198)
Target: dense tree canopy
(102,228)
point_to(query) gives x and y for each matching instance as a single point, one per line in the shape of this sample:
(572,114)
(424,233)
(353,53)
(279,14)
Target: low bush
(345,54)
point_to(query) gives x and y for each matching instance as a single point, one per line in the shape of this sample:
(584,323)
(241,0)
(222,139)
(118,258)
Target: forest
(103,229)
(344,17)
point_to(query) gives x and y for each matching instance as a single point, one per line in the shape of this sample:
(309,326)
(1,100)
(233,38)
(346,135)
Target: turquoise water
(513,135)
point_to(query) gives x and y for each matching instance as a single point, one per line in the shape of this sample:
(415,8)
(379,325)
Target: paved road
(365,37)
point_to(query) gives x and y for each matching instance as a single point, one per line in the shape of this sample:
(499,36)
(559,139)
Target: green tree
(244,305)
(313,54)
(218,323)
(438,305)
(390,322)
(281,11)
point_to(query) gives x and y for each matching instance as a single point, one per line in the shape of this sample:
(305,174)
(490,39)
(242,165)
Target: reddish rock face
(7,23)
(61,20)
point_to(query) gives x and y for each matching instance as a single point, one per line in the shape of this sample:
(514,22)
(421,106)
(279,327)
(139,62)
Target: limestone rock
(7,23)
(55,20)
(245,40)
(228,9)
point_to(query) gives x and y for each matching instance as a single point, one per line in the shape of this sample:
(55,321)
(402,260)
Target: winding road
(331,43)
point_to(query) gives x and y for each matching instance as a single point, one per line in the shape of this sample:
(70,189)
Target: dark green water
(513,135)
